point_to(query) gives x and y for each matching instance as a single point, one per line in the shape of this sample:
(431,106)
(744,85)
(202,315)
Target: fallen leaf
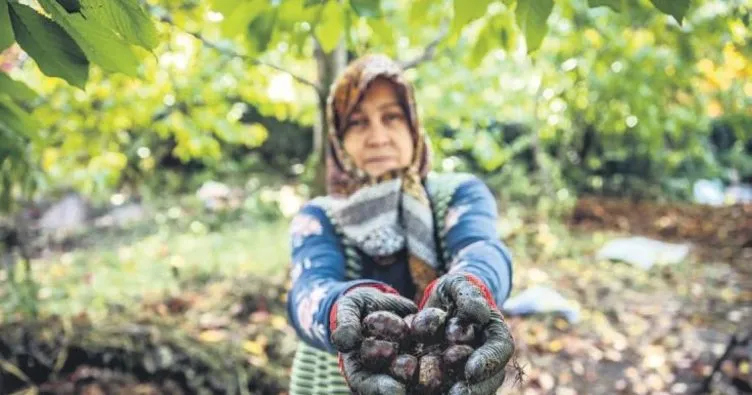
(258,317)
(565,391)
(639,388)
(744,368)
(278,322)
(555,345)
(561,324)
(620,385)
(613,355)
(546,381)
(254,347)
(565,378)
(578,368)
(213,335)
(632,373)
(655,383)
(258,360)
(654,357)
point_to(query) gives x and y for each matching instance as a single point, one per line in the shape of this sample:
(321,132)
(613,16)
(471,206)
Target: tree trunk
(329,66)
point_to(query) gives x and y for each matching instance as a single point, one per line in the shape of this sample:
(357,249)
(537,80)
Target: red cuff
(483,289)
(472,279)
(381,287)
(428,291)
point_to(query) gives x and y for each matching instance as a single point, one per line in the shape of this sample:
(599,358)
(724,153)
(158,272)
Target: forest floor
(657,331)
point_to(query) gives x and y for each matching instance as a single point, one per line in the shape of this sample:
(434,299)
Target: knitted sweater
(318,261)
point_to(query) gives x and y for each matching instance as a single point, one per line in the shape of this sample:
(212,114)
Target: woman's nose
(379,134)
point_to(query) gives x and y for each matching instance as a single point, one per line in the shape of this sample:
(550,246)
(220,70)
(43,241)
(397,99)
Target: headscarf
(384,214)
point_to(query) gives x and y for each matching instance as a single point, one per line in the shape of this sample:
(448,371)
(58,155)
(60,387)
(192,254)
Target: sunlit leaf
(127,17)
(331,27)
(675,8)
(100,44)
(70,5)
(15,89)
(236,21)
(225,7)
(468,11)
(531,18)
(16,120)
(6,29)
(383,30)
(261,29)
(256,134)
(616,5)
(481,47)
(294,11)
(367,8)
(56,53)
(418,11)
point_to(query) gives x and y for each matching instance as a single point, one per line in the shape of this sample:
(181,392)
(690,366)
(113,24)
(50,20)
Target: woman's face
(377,135)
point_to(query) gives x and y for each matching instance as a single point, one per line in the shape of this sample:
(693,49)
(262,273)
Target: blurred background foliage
(603,97)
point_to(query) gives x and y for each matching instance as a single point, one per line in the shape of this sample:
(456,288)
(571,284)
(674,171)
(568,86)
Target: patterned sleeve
(473,241)
(317,275)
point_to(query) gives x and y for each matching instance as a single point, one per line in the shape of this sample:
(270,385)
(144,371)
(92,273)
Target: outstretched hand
(472,302)
(347,335)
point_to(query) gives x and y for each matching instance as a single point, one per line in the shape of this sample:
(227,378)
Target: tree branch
(429,51)
(230,52)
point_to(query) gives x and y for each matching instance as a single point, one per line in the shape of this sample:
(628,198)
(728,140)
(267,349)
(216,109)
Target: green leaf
(329,30)
(367,8)
(70,5)
(126,17)
(616,5)
(238,20)
(261,29)
(482,45)
(100,44)
(531,19)
(15,118)
(467,11)
(6,31)
(292,12)
(54,51)
(383,30)
(502,26)
(675,8)
(418,11)
(15,89)
(224,7)
(5,196)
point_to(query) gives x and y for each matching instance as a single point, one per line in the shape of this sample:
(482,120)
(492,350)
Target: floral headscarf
(382,215)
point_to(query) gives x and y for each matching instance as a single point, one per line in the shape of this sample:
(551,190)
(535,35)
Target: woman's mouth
(378,160)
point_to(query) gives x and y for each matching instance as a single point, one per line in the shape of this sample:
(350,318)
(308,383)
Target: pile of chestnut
(426,351)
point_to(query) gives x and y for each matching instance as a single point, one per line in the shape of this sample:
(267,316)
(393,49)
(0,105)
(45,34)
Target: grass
(630,318)
(157,257)
(129,269)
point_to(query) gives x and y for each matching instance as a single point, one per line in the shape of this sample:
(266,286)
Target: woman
(388,235)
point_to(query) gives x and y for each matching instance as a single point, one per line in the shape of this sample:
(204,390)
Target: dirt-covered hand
(473,303)
(353,306)
(349,324)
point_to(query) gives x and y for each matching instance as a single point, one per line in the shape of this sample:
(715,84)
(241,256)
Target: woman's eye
(393,117)
(356,122)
